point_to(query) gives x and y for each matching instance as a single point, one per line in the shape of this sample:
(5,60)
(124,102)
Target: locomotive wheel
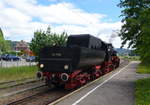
(99,74)
(113,67)
(105,71)
(118,64)
(82,81)
(93,77)
(48,83)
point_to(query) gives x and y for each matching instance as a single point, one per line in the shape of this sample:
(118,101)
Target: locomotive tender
(83,59)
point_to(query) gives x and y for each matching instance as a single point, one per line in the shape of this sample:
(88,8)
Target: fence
(16,63)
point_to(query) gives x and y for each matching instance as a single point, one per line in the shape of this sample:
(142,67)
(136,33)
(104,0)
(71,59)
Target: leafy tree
(4,46)
(1,35)
(1,40)
(59,40)
(56,39)
(39,41)
(136,24)
(42,38)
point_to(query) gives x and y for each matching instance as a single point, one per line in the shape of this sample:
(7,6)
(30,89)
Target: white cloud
(18,18)
(1,5)
(11,14)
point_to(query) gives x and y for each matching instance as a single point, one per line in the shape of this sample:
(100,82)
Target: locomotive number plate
(56,54)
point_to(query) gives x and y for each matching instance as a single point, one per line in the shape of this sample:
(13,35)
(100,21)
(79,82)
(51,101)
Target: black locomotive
(84,58)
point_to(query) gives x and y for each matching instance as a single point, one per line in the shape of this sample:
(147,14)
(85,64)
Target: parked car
(3,57)
(11,58)
(30,59)
(0,57)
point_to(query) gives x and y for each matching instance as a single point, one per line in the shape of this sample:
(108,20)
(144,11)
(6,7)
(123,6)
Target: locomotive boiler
(83,59)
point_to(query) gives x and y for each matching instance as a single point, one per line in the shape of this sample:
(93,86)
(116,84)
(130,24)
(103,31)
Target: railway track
(21,91)
(9,84)
(49,95)
(22,94)
(41,98)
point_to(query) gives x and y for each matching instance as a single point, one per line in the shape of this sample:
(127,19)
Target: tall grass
(143,68)
(142,93)
(16,73)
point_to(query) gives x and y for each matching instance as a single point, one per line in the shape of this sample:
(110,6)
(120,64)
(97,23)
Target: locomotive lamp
(41,65)
(66,67)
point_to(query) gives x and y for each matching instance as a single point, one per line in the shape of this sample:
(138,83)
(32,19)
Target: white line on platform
(75,103)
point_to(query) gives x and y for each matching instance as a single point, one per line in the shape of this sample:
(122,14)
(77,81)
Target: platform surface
(115,89)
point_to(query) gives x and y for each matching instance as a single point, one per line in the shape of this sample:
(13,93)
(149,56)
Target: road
(115,89)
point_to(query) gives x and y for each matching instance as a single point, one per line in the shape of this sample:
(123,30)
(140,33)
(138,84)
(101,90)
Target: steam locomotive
(83,59)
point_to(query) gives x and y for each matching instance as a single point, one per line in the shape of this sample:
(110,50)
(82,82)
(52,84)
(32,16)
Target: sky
(19,19)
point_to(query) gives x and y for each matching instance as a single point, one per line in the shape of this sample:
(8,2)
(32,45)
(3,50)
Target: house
(21,46)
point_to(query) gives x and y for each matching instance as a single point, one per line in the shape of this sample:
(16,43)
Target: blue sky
(108,7)
(19,19)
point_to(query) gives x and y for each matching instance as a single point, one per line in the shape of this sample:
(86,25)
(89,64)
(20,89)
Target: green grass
(143,68)
(142,93)
(131,58)
(17,73)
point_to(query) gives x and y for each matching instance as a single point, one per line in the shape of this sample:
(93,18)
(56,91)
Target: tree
(1,35)
(42,38)
(136,24)
(4,46)
(39,41)
(59,40)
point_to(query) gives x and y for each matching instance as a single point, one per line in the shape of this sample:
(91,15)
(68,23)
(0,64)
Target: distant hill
(122,51)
